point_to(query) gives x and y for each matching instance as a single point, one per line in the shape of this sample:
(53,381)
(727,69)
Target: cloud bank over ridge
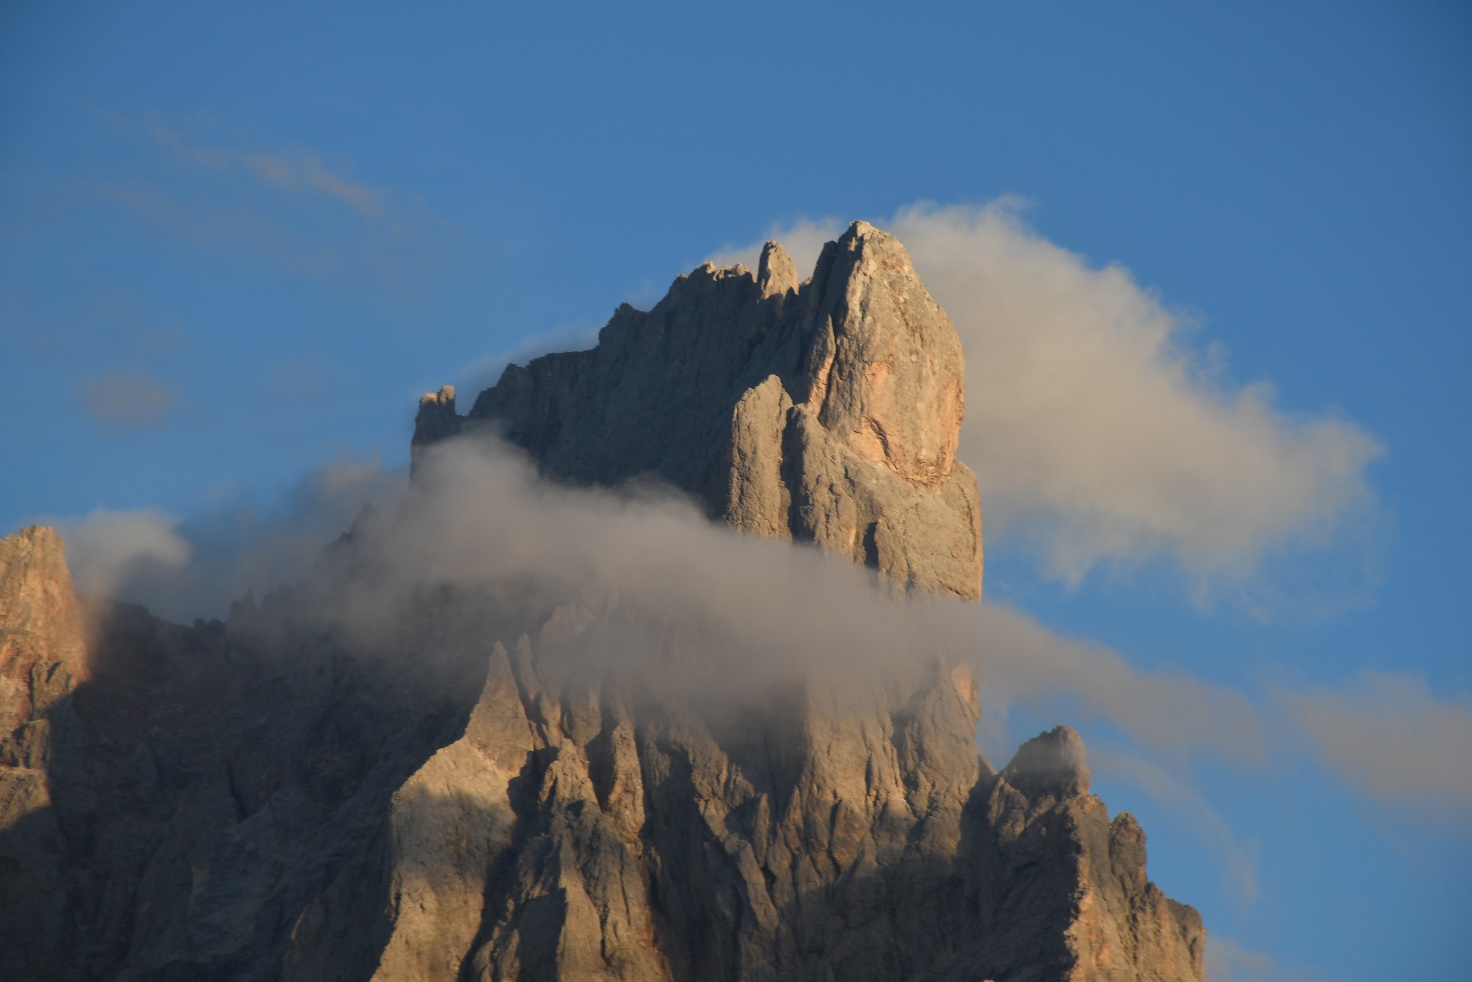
(481,518)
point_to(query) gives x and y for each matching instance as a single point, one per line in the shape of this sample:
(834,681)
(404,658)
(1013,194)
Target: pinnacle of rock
(885,371)
(776,275)
(42,645)
(1052,764)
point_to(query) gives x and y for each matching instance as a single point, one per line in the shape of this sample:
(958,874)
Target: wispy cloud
(293,169)
(106,548)
(219,225)
(1391,737)
(1228,961)
(1098,435)
(121,401)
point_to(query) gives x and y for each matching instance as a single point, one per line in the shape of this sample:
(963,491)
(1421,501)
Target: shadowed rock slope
(465,794)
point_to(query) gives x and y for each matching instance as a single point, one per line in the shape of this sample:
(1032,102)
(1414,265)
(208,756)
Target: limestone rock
(826,411)
(884,370)
(1050,765)
(1070,884)
(42,645)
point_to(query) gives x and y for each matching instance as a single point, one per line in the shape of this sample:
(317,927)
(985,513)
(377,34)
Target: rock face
(42,658)
(42,647)
(464,794)
(825,412)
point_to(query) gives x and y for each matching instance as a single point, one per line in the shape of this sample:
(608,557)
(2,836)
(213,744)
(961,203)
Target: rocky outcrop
(436,421)
(469,791)
(826,411)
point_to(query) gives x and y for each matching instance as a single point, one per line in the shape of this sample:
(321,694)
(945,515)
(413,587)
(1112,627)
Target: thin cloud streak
(1391,737)
(294,169)
(105,547)
(287,208)
(1228,961)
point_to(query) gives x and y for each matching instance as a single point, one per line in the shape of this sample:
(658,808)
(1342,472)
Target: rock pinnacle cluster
(460,796)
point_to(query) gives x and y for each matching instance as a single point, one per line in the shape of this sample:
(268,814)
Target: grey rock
(826,411)
(436,421)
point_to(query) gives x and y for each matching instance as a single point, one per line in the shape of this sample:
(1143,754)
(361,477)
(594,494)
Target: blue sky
(236,246)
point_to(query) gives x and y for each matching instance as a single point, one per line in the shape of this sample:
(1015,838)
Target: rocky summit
(826,411)
(462,793)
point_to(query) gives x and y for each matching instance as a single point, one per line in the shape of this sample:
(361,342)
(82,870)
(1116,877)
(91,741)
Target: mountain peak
(776,274)
(886,370)
(826,411)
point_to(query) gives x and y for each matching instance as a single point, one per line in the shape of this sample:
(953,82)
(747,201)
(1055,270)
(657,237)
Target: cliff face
(466,795)
(42,658)
(825,412)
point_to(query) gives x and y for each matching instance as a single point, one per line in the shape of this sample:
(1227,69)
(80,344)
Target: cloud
(208,224)
(1097,434)
(479,518)
(1228,961)
(183,567)
(293,169)
(1390,737)
(126,400)
(1175,715)
(479,514)
(283,206)
(105,548)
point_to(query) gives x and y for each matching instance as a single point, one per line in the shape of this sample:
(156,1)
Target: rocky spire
(1052,764)
(42,647)
(776,275)
(436,421)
